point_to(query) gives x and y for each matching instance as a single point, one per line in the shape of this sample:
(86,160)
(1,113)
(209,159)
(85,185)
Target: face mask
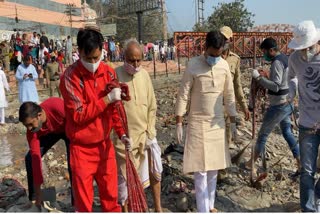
(36,129)
(311,53)
(92,67)
(213,60)
(130,69)
(267,57)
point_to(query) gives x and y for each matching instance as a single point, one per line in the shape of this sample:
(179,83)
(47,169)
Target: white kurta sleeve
(228,96)
(4,81)
(152,110)
(184,93)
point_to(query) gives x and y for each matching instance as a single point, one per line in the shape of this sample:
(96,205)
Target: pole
(198,8)
(254,52)
(16,21)
(164,20)
(166,61)
(69,12)
(154,64)
(188,48)
(178,52)
(70,19)
(196,11)
(139,14)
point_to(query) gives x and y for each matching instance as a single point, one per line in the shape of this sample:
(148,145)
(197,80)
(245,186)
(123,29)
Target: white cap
(305,34)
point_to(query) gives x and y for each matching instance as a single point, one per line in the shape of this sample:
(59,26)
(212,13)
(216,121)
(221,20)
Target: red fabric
(94,162)
(55,123)
(60,58)
(18,40)
(118,104)
(124,89)
(25,50)
(88,118)
(106,46)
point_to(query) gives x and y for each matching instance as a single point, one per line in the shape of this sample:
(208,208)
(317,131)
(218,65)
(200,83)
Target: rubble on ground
(279,192)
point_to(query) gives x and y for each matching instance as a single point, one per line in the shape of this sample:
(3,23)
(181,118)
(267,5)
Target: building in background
(58,18)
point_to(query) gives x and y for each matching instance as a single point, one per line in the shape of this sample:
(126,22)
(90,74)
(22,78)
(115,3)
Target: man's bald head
(132,52)
(130,46)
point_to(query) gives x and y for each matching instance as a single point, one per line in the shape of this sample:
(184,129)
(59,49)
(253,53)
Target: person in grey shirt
(304,65)
(280,109)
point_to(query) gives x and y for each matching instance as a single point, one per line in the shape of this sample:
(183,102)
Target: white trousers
(2,115)
(205,185)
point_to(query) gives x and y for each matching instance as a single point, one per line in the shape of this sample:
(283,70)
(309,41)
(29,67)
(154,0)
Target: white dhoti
(2,116)
(155,168)
(205,185)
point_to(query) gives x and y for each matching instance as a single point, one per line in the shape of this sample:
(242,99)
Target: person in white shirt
(162,54)
(58,45)
(75,56)
(3,101)
(34,40)
(156,51)
(42,52)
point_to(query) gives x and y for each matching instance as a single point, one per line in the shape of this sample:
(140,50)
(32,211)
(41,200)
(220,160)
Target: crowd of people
(96,142)
(159,51)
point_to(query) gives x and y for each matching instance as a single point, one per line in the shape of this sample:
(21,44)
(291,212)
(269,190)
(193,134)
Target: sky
(181,13)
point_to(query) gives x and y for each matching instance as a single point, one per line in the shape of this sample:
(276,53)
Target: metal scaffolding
(200,12)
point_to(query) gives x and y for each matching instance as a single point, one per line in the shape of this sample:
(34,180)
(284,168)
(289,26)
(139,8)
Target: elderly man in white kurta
(141,115)
(207,82)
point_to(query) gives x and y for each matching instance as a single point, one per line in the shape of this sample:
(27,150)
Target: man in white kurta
(141,115)
(3,101)
(26,75)
(207,84)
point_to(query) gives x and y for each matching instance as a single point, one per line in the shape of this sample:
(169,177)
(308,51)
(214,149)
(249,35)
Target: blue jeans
(275,115)
(309,192)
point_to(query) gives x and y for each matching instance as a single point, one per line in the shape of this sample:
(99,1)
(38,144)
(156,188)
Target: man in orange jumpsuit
(90,116)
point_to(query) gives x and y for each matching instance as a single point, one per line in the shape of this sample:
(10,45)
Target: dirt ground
(277,193)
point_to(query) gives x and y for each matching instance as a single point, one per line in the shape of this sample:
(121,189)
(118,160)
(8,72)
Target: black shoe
(295,174)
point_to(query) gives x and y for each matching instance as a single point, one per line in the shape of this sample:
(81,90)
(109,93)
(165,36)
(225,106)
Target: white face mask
(92,67)
(310,53)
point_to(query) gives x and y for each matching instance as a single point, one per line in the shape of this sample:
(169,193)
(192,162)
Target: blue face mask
(267,57)
(213,60)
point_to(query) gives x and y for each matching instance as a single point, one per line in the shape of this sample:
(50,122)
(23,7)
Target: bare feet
(214,210)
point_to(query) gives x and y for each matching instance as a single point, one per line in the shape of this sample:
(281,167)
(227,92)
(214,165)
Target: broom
(136,197)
